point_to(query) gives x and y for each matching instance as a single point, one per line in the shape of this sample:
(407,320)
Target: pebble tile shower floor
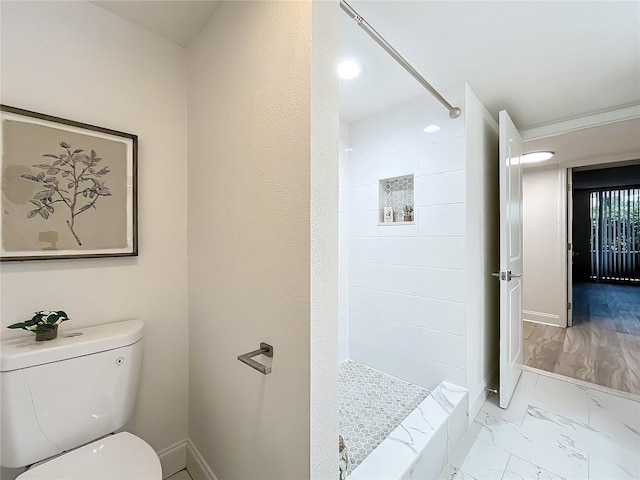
(372,405)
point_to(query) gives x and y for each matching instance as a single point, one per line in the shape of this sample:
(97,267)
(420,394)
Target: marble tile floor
(553,429)
(602,346)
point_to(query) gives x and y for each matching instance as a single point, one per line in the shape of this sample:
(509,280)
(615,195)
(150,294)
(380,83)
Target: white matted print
(68,189)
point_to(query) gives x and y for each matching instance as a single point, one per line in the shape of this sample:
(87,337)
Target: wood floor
(602,346)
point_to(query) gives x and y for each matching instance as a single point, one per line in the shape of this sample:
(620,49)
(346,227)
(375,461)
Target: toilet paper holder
(266,350)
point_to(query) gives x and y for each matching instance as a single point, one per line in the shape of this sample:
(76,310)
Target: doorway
(602,341)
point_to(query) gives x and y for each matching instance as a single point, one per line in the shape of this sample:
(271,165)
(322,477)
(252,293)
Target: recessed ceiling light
(349,69)
(431,129)
(535,157)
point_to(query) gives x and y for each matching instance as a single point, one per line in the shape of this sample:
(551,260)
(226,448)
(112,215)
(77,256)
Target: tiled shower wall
(406,296)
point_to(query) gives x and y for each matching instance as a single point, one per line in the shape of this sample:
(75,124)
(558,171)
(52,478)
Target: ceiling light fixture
(431,129)
(349,69)
(535,157)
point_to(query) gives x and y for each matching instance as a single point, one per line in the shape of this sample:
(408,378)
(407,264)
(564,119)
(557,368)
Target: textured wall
(250,238)
(74,60)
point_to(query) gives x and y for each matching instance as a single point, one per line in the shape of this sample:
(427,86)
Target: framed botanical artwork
(68,189)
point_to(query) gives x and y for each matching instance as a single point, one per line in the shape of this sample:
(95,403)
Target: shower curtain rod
(454,112)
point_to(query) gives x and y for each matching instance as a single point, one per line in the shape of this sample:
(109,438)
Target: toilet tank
(59,394)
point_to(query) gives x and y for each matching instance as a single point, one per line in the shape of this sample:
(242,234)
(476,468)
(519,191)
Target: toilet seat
(116,457)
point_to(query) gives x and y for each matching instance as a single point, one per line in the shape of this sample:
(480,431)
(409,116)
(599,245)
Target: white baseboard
(196,465)
(173,458)
(541,317)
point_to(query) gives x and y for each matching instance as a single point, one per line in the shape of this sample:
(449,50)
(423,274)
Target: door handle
(506,275)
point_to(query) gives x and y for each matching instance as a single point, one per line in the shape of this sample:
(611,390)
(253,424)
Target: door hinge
(568,305)
(569,246)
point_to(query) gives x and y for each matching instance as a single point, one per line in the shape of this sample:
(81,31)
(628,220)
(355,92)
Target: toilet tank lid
(25,352)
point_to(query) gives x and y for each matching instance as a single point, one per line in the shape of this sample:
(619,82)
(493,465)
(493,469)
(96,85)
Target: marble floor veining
(553,429)
(602,346)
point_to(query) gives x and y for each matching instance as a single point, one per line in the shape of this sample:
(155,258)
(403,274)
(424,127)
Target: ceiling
(543,61)
(179,21)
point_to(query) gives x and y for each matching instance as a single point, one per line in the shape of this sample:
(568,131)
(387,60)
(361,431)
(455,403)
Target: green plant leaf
(53,171)
(50,155)
(65,145)
(32,213)
(17,325)
(77,151)
(29,177)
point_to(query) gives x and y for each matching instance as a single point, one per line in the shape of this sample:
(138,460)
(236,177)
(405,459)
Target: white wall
(482,246)
(74,60)
(544,270)
(343,246)
(407,282)
(251,221)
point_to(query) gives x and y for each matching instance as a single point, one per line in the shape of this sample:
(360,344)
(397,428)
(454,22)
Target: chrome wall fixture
(454,112)
(266,350)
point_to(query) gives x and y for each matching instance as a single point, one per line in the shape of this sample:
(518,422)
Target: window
(615,235)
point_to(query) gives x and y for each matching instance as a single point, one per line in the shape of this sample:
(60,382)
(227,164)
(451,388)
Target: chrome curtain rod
(454,112)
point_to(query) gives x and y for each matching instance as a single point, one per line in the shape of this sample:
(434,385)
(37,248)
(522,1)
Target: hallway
(602,346)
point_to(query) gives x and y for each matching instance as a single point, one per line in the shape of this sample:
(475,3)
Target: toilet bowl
(122,456)
(63,399)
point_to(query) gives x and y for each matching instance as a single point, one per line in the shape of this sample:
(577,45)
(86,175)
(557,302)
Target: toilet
(63,399)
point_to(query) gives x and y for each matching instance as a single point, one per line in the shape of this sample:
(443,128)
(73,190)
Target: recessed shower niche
(396,201)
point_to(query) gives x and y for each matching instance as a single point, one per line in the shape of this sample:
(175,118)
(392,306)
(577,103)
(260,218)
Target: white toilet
(61,394)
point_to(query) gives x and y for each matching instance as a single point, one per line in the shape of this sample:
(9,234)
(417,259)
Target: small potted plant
(44,324)
(408,213)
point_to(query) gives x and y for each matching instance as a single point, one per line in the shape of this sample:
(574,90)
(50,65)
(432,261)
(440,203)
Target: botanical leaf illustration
(84,188)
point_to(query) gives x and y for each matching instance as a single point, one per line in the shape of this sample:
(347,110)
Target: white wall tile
(398,229)
(363,198)
(343,273)
(397,114)
(344,129)
(397,164)
(393,278)
(436,314)
(343,249)
(343,174)
(343,224)
(343,199)
(442,283)
(440,188)
(343,336)
(438,346)
(411,368)
(363,146)
(364,300)
(445,156)
(442,220)
(411,132)
(363,224)
(363,249)
(429,282)
(444,252)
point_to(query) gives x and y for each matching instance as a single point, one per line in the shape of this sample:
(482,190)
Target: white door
(510,258)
